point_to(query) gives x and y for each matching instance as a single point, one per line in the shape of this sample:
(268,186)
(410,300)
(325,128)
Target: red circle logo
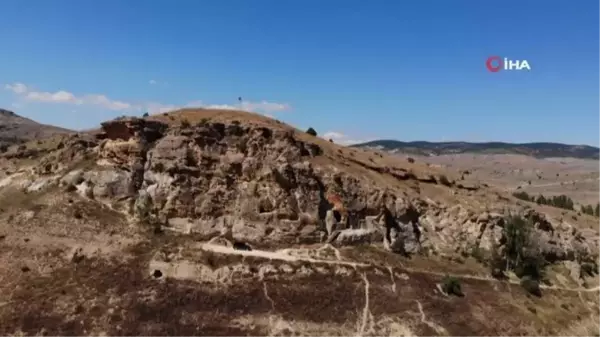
(490,63)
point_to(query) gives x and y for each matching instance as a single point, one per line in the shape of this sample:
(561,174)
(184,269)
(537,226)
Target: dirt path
(284,255)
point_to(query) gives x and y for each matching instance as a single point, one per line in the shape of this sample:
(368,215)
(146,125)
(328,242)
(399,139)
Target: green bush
(451,286)
(185,123)
(311,132)
(519,252)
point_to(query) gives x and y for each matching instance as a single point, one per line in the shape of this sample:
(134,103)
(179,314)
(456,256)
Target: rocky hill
(212,222)
(15,129)
(538,150)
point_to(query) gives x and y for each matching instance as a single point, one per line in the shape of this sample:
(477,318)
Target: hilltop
(222,222)
(15,129)
(538,150)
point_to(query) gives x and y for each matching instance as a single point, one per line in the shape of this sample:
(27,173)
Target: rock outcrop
(260,185)
(200,224)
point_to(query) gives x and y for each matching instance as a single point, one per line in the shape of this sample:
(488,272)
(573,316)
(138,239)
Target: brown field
(576,178)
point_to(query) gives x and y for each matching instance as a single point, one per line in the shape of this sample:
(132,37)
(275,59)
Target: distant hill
(538,150)
(15,129)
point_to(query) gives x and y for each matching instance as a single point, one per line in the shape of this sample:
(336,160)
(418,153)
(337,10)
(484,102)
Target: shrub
(311,132)
(531,286)
(589,269)
(410,160)
(185,123)
(145,114)
(523,196)
(442,179)
(159,167)
(451,286)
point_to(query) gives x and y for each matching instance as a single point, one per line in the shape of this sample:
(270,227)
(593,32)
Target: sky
(353,70)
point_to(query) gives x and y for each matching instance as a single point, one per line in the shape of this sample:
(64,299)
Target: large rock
(265,185)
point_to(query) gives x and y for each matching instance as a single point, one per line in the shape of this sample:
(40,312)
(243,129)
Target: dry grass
(114,293)
(118,296)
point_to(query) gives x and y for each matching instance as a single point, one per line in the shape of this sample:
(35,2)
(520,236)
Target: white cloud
(63,96)
(66,97)
(157,108)
(333,135)
(265,108)
(342,139)
(157,82)
(261,107)
(17,88)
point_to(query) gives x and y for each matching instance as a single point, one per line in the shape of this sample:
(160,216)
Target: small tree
(145,115)
(589,209)
(520,252)
(311,132)
(541,200)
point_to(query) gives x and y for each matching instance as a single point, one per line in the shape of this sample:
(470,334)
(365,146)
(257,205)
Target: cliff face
(263,185)
(237,187)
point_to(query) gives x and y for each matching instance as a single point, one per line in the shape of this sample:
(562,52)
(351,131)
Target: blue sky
(407,70)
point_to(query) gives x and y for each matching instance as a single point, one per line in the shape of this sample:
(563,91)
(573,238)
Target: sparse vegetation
(559,201)
(311,132)
(145,115)
(204,121)
(589,209)
(519,253)
(185,123)
(523,196)
(451,286)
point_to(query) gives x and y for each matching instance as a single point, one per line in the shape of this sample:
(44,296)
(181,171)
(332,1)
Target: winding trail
(284,255)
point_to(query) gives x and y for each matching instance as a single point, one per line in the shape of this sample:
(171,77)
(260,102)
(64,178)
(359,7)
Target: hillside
(222,222)
(15,129)
(538,150)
